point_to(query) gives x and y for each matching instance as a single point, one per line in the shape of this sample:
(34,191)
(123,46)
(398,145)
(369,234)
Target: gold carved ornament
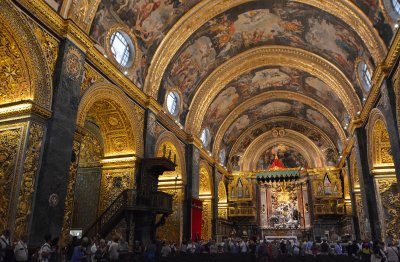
(131,118)
(90,152)
(206,220)
(69,199)
(172,229)
(380,146)
(48,44)
(14,76)
(113,183)
(90,77)
(391,202)
(31,163)
(204,182)
(10,141)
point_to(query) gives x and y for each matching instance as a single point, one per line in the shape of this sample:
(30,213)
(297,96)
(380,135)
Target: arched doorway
(172,183)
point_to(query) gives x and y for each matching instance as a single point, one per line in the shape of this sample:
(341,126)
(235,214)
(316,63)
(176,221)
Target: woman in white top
(392,253)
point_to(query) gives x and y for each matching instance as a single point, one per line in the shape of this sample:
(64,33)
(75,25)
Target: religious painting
(288,155)
(375,13)
(327,185)
(273,78)
(264,23)
(276,108)
(315,135)
(150,20)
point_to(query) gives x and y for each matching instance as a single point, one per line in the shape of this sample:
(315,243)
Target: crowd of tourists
(234,249)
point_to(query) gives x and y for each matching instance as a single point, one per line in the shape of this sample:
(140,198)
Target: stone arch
(28,75)
(379,153)
(121,119)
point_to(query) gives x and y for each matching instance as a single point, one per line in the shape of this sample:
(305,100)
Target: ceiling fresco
(272,78)
(275,108)
(150,20)
(245,139)
(288,155)
(376,14)
(263,23)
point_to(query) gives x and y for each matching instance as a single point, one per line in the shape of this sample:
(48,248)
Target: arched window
(121,48)
(222,156)
(173,103)
(205,137)
(365,75)
(396,6)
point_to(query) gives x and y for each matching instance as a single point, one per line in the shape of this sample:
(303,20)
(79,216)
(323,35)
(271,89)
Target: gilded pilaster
(29,178)
(69,199)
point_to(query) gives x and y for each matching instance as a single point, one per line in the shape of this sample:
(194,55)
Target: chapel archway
(106,163)
(384,175)
(25,92)
(172,183)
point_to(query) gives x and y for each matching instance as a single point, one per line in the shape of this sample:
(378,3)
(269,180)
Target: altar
(283,201)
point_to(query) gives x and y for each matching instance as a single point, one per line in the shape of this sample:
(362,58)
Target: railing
(242,212)
(126,199)
(161,202)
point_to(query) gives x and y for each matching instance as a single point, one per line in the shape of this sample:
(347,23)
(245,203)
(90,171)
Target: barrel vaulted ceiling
(245,69)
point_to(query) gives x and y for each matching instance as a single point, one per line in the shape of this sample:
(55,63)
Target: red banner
(197,208)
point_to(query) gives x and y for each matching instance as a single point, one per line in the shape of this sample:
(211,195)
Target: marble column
(368,190)
(48,212)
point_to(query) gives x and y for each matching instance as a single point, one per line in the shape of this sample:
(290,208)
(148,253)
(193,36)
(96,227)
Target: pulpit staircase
(138,205)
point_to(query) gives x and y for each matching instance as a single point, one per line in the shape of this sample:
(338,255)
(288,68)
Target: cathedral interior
(188,119)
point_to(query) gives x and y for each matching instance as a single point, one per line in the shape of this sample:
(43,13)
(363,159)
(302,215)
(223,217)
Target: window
(173,103)
(121,47)
(366,77)
(222,155)
(205,137)
(396,6)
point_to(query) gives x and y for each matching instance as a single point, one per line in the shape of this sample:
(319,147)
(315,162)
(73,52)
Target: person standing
(21,250)
(6,252)
(392,253)
(338,249)
(113,250)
